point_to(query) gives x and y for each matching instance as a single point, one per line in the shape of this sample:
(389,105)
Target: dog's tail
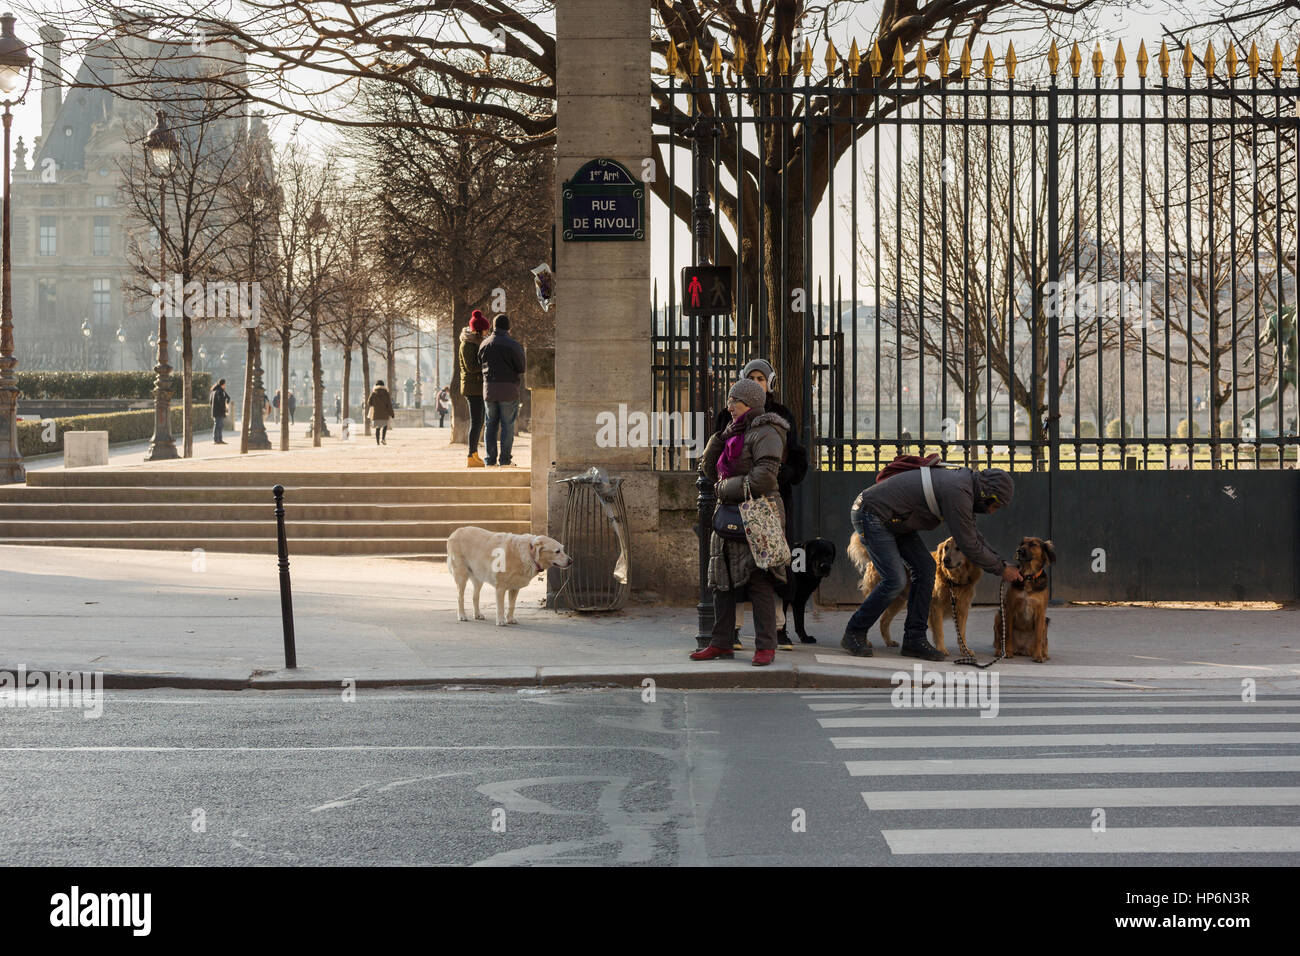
(857,552)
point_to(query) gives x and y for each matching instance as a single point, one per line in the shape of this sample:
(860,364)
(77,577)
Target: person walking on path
(275,403)
(443,406)
(293,405)
(887,517)
(502,359)
(379,409)
(793,470)
(220,406)
(471,381)
(748,452)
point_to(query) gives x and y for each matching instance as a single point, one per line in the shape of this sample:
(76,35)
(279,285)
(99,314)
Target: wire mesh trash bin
(596,537)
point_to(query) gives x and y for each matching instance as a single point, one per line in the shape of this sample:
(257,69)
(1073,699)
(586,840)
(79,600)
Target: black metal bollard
(286,595)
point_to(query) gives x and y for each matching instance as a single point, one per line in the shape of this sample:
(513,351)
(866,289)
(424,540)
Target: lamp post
(419,389)
(317,223)
(162,152)
(121,349)
(14,63)
(253,434)
(85,344)
(703,134)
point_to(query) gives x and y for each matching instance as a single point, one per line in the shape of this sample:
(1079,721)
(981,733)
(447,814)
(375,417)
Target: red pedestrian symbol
(695,288)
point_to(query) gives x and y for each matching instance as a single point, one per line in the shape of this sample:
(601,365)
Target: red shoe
(709,653)
(763,658)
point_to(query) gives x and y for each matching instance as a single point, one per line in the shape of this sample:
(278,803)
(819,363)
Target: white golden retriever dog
(505,561)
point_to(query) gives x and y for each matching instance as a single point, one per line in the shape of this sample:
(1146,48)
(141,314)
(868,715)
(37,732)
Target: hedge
(1112,429)
(77,385)
(121,427)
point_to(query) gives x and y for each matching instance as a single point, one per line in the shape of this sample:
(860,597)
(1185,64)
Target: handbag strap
(927,486)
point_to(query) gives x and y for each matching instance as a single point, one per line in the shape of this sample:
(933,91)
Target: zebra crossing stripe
(908,742)
(1056,720)
(1083,797)
(1081,765)
(1083,839)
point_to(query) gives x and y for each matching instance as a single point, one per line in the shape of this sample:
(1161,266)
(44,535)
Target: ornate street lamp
(15,72)
(121,348)
(261,195)
(163,154)
(85,343)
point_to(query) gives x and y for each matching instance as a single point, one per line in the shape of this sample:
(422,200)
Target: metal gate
(1067,269)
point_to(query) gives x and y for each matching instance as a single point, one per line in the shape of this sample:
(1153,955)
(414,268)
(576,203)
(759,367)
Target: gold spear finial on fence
(1011,60)
(739,58)
(899,59)
(832,59)
(807,57)
(1277,60)
(877,59)
(1142,60)
(1209,59)
(1188,59)
(1164,60)
(1053,58)
(1230,59)
(760,62)
(693,59)
(1120,60)
(965,61)
(855,60)
(945,59)
(1098,60)
(1076,61)
(988,61)
(715,59)
(1252,60)
(921,61)
(671,58)
(783,58)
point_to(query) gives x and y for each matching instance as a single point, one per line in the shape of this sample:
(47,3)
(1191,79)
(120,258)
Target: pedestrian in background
(379,409)
(502,359)
(293,405)
(220,407)
(471,381)
(745,456)
(275,403)
(444,407)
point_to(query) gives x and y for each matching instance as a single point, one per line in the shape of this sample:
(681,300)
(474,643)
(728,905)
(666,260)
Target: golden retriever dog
(505,561)
(1026,602)
(954,577)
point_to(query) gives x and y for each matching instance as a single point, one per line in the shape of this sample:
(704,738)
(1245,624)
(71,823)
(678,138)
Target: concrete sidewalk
(174,619)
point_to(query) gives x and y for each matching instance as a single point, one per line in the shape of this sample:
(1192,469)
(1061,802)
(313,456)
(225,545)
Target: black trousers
(476,414)
(762,594)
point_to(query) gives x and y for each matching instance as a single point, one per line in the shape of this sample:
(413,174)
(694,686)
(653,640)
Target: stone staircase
(394,514)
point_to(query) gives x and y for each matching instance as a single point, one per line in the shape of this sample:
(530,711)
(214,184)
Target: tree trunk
(365,378)
(783,322)
(284,390)
(249,360)
(347,379)
(187,383)
(459,406)
(317,382)
(390,354)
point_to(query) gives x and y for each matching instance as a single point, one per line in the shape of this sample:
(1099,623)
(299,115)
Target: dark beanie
(997,484)
(501,323)
(478,321)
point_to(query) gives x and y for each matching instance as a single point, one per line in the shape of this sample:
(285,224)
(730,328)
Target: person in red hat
(471,381)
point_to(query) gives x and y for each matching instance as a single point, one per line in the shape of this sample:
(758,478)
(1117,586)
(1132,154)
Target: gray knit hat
(997,485)
(759,365)
(750,392)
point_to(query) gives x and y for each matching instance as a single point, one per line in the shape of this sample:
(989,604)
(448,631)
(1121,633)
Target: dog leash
(961,638)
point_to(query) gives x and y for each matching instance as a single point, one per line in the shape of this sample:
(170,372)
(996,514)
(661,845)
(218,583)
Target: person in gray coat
(887,517)
(751,448)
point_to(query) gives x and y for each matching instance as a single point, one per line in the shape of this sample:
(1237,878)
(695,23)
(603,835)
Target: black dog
(815,556)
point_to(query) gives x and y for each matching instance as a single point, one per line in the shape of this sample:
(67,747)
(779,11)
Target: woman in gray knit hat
(752,446)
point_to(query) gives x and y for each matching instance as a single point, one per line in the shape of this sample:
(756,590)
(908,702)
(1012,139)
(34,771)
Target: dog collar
(1033,578)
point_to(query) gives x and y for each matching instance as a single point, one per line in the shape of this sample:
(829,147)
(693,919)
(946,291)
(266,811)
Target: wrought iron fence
(1044,273)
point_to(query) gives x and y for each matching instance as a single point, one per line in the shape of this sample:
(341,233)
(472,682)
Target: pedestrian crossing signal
(706,290)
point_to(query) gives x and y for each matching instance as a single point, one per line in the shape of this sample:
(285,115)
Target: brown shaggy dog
(1026,602)
(954,577)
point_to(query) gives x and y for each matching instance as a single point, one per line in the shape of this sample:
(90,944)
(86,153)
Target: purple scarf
(733,445)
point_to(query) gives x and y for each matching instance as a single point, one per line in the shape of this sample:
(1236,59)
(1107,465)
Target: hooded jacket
(731,562)
(380,404)
(899,502)
(471,371)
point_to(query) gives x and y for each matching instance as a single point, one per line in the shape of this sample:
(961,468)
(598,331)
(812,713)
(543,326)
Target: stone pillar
(602,323)
(539,379)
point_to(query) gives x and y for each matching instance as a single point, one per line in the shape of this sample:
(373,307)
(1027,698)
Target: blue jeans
(217,425)
(893,555)
(500,416)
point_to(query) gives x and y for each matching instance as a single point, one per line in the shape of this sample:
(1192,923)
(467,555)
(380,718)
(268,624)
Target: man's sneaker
(783,640)
(922,649)
(856,643)
(710,653)
(735,642)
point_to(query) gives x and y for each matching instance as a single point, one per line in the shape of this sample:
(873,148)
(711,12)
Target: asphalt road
(692,778)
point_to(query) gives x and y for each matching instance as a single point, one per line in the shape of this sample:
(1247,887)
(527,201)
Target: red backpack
(907,463)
